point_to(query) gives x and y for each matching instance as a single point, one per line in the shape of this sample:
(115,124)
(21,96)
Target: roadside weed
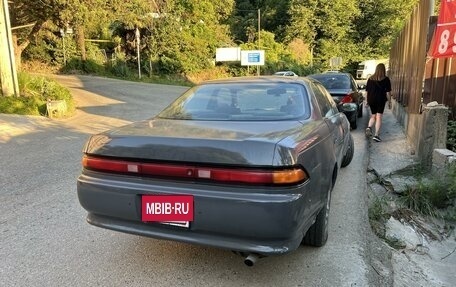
(417,198)
(432,194)
(378,209)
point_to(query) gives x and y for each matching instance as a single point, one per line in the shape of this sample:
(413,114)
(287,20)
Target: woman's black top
(376,91)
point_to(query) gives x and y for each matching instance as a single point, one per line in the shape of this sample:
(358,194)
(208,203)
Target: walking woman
(378,90)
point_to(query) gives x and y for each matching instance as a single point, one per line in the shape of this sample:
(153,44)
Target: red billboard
(444,41)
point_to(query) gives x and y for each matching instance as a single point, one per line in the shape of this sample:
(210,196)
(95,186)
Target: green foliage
(120,69)
(40,53)
(451,136)
(35,91)
(450,214)
(184,38)
(377,25)
(378,209)
(418,199)
(22,105)
(451,180)
(181,35)
(430,195)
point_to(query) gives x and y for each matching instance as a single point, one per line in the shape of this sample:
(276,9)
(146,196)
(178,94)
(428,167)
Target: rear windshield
(333,81)
(241,102)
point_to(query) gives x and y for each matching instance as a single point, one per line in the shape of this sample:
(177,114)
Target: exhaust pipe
(251,259)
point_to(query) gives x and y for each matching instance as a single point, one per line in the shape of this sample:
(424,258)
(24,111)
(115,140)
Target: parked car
(245,164)
(286,74)
(345,92)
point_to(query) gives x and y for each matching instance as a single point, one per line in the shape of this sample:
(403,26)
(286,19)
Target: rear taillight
(233,175)
(347,99)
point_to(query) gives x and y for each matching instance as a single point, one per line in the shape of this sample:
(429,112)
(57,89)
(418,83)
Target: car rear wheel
(360,111)
(346,160)
(353,124)
(317,235)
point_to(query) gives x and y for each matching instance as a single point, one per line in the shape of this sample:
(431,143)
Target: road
(45,240)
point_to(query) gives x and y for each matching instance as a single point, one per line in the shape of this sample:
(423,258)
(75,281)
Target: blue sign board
(254,57)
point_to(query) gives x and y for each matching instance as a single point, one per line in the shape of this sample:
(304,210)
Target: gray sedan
(245,164)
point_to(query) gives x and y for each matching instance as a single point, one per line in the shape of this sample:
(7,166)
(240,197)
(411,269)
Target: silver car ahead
(286,74)
(245,164)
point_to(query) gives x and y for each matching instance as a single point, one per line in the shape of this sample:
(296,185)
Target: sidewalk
(393,152)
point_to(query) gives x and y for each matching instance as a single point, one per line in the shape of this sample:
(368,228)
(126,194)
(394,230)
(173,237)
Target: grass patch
(431,195)
(378,215)
(34,93)
(378,209)
(21,105)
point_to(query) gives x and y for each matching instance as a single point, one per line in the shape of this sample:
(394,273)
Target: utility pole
(62,33)
(8,75)
(138,51)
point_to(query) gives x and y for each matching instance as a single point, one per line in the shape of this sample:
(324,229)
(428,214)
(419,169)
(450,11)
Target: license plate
(167,209)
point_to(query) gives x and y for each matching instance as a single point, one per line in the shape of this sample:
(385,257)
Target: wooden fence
(416,78)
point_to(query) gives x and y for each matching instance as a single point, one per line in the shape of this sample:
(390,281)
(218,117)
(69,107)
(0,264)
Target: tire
(353,124)
(360,111)
(346,160)
(317,235)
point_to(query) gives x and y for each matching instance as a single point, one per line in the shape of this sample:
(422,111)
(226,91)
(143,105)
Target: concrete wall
(425,130)
(433,131)
(441,158)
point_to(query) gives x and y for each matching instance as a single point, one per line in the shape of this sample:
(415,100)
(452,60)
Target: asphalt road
(45,240)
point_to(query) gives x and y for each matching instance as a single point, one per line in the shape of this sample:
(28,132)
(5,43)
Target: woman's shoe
(377,139)
(369,132)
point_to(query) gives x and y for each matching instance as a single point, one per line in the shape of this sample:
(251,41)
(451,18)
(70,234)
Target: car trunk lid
(210,142)
(339,94)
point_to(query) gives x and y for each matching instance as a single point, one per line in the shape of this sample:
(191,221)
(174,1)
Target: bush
(451,179)
(451,136)
(119,68)
(76,65)
(35,91)
(170,66)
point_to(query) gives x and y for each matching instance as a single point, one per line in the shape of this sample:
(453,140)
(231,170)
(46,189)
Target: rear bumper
(351,116)
(261,220)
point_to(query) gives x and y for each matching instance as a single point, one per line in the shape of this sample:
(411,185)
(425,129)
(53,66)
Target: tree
(325,26)
(86,17)
(182,35)
(379,23)
(34,14)
(185,35)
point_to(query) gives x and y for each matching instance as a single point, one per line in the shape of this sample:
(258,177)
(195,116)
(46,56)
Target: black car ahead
(345,92)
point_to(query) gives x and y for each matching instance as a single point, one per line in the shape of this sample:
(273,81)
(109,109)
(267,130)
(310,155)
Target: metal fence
(417,79)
